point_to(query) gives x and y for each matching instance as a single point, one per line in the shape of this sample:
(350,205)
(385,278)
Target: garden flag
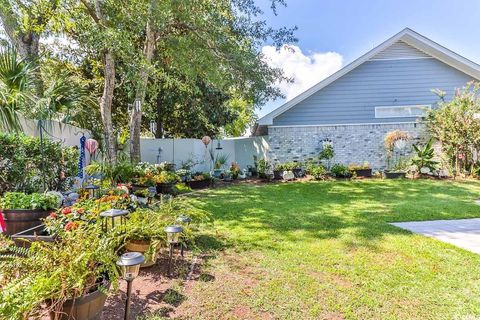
(3,227)
(81,161)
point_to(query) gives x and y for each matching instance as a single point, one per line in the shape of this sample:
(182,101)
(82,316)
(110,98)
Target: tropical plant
(234,170)
(35,201)
(423,159)
(115,173)
(220,161)
(15,94)
(327,154)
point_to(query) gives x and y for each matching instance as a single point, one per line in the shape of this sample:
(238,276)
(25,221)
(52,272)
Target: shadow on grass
(262,216)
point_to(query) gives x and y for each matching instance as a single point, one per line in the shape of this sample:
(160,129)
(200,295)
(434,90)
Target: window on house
(401,111)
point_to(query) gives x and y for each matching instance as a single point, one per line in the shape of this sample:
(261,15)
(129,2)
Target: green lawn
(324,250)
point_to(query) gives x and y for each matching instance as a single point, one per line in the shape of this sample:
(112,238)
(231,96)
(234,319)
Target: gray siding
(400,50)
(353,97)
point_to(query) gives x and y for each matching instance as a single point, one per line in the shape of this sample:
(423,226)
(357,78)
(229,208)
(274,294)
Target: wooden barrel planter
(86,307)
(19,220)
(142,246)
(26,237)
(199,184)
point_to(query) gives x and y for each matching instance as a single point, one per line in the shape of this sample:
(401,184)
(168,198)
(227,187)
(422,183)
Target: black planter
(165,188)
(394,174)
(26,237)
(200,184)
(298,172)
(137,187)
(365,173)
(277,174)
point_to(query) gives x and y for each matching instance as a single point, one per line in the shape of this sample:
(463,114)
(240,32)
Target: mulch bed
(153,291)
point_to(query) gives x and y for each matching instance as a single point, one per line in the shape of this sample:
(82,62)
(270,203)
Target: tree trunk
(136,117)
(26,44)
(106,107)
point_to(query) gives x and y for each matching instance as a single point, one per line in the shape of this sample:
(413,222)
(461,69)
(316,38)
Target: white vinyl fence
(179,151)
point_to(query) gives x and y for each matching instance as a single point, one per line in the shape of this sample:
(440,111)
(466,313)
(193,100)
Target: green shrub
(318,172)
(35,201)
(340,171)
(21,163)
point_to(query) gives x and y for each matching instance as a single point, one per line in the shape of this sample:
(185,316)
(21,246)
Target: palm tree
(15,87)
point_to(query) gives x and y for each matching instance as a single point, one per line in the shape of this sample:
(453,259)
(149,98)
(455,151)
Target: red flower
(67,210)
(71,226)
(53,215)
(81,210)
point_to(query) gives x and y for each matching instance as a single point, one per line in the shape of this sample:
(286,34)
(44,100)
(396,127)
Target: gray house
(388,88)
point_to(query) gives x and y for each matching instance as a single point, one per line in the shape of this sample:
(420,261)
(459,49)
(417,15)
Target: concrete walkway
(463,233)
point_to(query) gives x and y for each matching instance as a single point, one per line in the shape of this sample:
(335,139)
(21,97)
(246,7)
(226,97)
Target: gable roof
(418,45)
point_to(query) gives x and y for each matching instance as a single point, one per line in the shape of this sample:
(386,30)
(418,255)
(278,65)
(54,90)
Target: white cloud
(305,69)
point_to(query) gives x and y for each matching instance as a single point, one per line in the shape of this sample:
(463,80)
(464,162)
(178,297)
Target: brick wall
(351,143)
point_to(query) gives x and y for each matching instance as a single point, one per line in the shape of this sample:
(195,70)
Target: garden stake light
(185,220)
(108,219)
(92,191)
(173,238)
(130,266)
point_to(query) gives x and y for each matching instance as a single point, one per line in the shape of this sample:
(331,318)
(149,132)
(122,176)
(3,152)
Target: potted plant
(423,160)
(25,211)
(142,234)
(253,170)
(264,168)
(278,170)
(142,196)
(74,284)
(219,163)
(200,180)
(296,168)
(360,170)
(395,143)
(340,171)
(165,181)
(234,170)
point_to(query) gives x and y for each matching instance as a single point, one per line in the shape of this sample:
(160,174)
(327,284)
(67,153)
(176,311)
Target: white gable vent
(400,50)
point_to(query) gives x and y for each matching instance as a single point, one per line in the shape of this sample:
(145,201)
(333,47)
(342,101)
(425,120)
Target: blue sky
(349,28)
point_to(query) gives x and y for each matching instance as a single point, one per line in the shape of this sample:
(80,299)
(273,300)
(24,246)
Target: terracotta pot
(142,246)
(26,237)
(86,307)
(19,220)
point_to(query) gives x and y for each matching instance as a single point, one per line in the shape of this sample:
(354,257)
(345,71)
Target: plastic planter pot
(200,184)
(165,188)
(26,237)
(297,172)
(20,220)
(365,173)
(394,174)
(86,307)
(277,174)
